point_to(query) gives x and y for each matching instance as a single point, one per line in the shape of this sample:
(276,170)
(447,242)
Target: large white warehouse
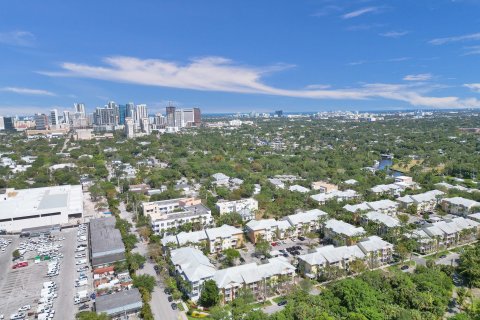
(38,207)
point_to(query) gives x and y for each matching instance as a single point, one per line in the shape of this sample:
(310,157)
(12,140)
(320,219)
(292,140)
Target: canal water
(386,164)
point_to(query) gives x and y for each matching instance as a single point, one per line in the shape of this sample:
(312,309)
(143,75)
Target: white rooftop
(382,218)
(341,227)
(374,243)
(26,202)
(306,216)
(193,263)
(462,202)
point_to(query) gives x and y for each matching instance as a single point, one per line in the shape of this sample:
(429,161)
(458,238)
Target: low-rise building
(383,221)
(460,206)
(170,214)
(341,233)
(298,188)
(423,202)
(452,231)
(266,229)
(224,237)
(194,267)
(257,278)
(324,187)
(346,195)
(106,244)
(377,251)
(328,258)
(279,184)
(225,206)
(119,304)
(384,206)
(307,221)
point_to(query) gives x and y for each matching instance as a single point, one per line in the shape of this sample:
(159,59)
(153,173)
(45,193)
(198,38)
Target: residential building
(277,272)
(423,202)
(266,229)
(305,222)
(377,251)
(340,232)
(170,214)
(298,188)
(383,221)
(194,267)
(222,180)
(328,258)
(452,231)
(324,187)
(129,128)
(424,243)
(460,206)
(384,206)
(225,206)
(340,196)
(279,184)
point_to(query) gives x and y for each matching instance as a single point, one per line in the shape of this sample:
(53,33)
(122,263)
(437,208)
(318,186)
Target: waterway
(385,164)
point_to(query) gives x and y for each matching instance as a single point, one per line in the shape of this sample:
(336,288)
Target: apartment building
(460,206)
(383,221)
(194,267)
(266,229)
(225,206)
(377,251)
(305,222)
(258,278)
(170,214)
(340,196)
(384,206)
(324,187)
(341,233)
(424,202)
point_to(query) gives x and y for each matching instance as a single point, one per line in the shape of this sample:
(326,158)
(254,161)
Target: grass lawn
(180,306)
(261,304)
(437,255)
(278,299)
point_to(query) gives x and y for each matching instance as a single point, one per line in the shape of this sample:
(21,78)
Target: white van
(81,261)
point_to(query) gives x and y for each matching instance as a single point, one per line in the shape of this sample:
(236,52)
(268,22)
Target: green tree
(144,281)
(263,247)
(90,315)
(210,295)
(16,254)
(231,255)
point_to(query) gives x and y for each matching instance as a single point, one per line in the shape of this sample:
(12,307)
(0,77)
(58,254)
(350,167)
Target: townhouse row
(195,268)
(372,252)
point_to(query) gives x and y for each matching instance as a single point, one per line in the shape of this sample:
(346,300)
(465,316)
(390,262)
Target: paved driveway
(450,260)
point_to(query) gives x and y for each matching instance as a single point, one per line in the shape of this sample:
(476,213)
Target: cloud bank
(224,75)
(27,91)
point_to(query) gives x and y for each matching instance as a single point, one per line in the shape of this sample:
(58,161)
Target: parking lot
(283,246)
(25,286)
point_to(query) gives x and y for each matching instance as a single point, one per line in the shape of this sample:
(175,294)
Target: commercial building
(119,304)
(54,121)
(106,244)
(37,207)
(41,121)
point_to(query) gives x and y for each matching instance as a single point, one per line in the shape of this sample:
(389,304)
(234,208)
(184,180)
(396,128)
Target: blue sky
(228,56)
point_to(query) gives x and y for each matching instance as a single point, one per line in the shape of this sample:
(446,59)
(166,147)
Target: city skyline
(306,56)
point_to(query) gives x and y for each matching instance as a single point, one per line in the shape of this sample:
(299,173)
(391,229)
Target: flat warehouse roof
(118,303)
(104,238)
(66,199)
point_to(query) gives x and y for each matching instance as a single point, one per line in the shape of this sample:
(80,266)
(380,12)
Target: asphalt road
(450,260)
(63,305)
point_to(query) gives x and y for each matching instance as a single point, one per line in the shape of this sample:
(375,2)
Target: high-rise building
(129,128)
(170,116)
(105,116)
(67,118)
(9,123)
(41,121)
(130,112)
(160,121)
(54,122)
(80,108)
(2,124)
(122,114)
(140,113)
(279,113)
(145,125)
(197,117)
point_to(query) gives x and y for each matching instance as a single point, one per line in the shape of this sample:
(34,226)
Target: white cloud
(359,12)
(466,37)
(471,50)
(223,75)
(318,86)
(27,91)
(393,34)
(327,10)
(473,86)
(17,38)
(418,77)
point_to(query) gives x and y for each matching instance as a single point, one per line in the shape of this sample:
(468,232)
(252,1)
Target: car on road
(282,303)
(443,256)
(405,267)
(17,316)
(301,238)
(170,298)
(274,244)
(20,265)
(167,291)
(174,306)
(24,308)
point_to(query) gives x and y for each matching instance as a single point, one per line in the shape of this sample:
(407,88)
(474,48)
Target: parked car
(301,238)
(170,298)
(83,307)
(405,267)
(282,303)
(174,306)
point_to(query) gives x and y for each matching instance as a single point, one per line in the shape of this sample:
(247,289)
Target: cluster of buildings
(195,268)
(222,180)
(114,290)
(134,119)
